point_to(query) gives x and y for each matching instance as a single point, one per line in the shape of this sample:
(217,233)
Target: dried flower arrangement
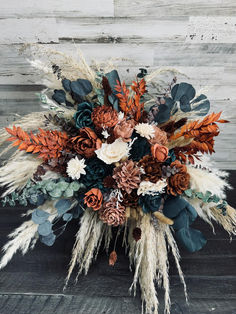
(116,157)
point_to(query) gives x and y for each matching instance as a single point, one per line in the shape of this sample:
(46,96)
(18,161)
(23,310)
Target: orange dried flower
(179,182)
(93,198)
(104,116)
(86,142)
(48,144)
(160,152)
(112,258)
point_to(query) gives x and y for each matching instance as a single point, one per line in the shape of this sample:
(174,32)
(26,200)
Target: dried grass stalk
(24,237)
(17,171)
(87,243)
(228,221)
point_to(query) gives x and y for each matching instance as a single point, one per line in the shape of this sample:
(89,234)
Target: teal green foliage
(37,193)
(208,197)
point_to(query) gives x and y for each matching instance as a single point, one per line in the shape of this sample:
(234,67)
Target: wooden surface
(197,37)
(34,283)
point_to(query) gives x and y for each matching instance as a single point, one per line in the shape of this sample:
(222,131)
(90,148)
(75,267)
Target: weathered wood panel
(160,8)
(70,8)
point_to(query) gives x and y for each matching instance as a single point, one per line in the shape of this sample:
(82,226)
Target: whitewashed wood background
(197,37)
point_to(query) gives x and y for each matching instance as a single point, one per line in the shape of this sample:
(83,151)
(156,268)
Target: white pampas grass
(87,242)
(24,237)
(149,255)
(202,180)
(17,171)
(143,255)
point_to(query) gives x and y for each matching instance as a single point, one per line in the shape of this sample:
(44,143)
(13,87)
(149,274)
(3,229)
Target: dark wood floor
(33,284)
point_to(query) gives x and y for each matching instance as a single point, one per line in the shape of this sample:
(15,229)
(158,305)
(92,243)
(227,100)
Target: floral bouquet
(123,160)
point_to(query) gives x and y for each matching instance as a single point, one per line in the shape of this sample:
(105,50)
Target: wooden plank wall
(197,37)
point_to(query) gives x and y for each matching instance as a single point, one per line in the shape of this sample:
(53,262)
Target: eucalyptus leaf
(66,84)
(50,186)
(75,186)
(45,228)
(67,217)
(49,239)
(188,192)
(63,206)
(62,185)
(113,79)
(81,87)
(39,216)
(68,192)
(56,193)
(201,104)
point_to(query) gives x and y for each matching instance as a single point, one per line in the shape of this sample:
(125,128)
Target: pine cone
(127,176)
(130,200)
(152,169)
(112,213)
(104,117)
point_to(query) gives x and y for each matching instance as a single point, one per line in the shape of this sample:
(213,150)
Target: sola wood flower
(124,129)
(127,176)
(159,137)
(152,168)
(112,213)
(179,182)
(93,198)
(75,168)
(86,142)
(147,187)
(145,130)
(111,153)
(159,152)
(104,117)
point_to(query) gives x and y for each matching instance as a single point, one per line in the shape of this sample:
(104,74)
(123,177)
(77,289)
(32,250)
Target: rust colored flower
(86,142)
(112,258)
(179,182)
(104,117)
(130,200)
(109,182)
(160,152)
(127,176)
(112,212)
(137,232)
(124,129)
(160,137)
(152,169)
(93,199)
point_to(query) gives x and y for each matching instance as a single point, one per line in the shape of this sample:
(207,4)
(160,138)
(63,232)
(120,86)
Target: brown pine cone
(178,182)
(127,176)
(152,169)
(130,200)
(112,213)
(104,117)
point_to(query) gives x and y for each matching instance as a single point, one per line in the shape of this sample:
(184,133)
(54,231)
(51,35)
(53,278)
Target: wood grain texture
(176,8)
(34,283)
(53,8)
